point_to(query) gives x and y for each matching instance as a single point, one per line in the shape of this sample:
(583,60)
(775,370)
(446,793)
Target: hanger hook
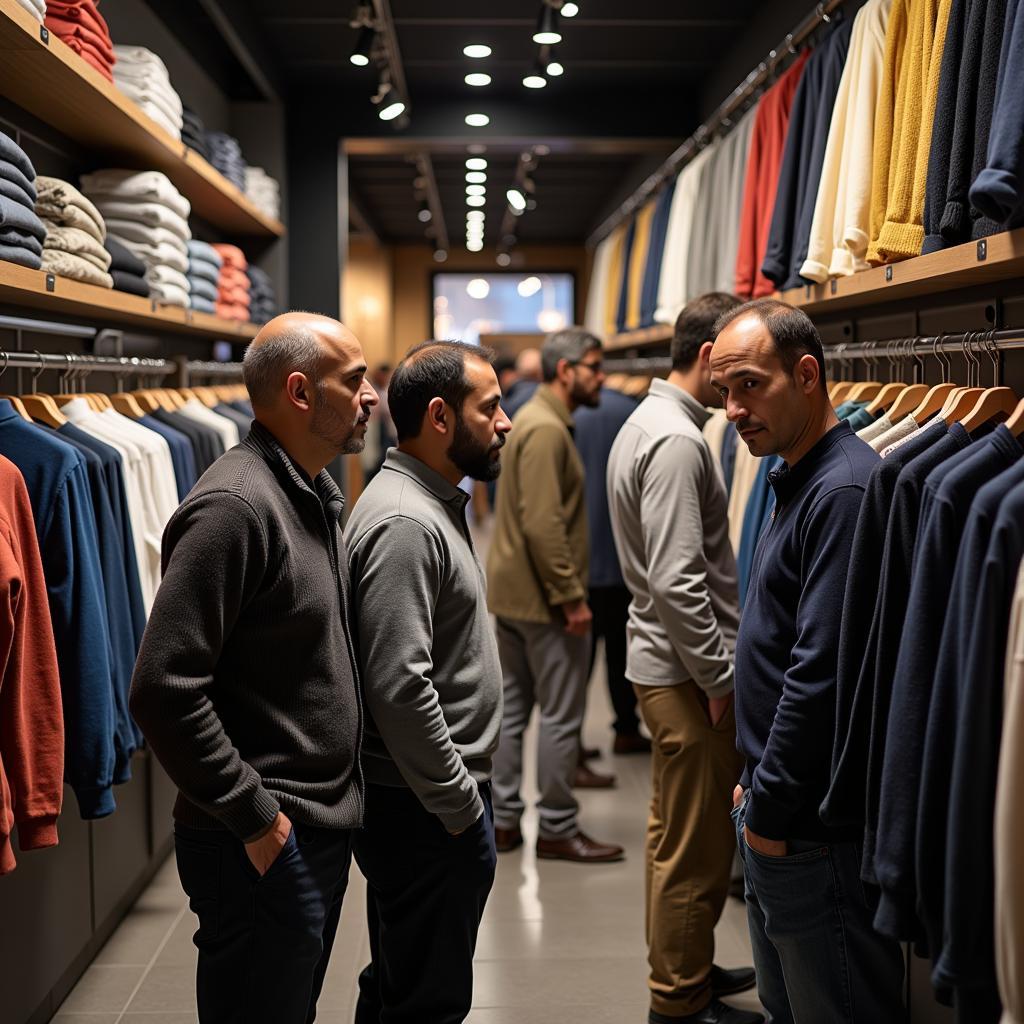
(996,356)
(6,360)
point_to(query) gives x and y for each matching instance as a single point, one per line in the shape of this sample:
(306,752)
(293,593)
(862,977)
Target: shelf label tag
(51,282)
(833,286)
(44,35)
(982,249)
(888,272)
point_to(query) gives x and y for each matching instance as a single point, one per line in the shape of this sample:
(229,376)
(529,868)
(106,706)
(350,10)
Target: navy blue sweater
(789,636)
(947,499)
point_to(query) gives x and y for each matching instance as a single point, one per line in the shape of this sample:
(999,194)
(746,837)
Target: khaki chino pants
(690,841)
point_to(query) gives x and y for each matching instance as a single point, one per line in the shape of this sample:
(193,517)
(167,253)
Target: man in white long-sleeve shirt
(669,515)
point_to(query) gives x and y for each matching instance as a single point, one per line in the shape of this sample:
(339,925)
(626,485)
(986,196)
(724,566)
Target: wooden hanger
(147,401)
(930,403)
(1015,424)
(127,405)
(19,406)
(993,402)
(842,391)
(886,397)
(864,391)
(958,406)
(44,409)
(207,396)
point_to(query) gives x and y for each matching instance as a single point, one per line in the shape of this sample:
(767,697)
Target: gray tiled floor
(559,944)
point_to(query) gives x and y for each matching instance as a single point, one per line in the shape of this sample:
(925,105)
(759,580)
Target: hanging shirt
(597,288)
(945,505)
(655,254)
(66,531)
(227,430)
(762,178)
(756,517)
(638,263)
(952,666)
(622,310)
(32,738)
(844,802)
(182,459)
(207,446)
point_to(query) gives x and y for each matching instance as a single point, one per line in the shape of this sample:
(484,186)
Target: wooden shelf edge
(186,168)
(656,335)
(996,258)
(20,286)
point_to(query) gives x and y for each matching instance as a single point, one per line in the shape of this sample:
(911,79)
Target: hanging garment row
(926,660)
(898,134)
(87,484)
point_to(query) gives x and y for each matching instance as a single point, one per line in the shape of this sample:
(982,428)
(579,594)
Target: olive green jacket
(539,555)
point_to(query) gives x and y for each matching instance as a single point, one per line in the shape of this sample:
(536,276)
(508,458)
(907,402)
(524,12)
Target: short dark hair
(791,329)
(695,325)
(571,343)
(432,369)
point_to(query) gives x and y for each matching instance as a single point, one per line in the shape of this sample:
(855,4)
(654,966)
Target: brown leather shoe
(631,743)
(586,778)
(507,839)
(589,754)
(579,848)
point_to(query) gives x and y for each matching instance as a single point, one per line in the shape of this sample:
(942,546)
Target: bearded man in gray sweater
(432,685)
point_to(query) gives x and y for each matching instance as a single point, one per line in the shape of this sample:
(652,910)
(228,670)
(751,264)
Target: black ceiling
(634,70)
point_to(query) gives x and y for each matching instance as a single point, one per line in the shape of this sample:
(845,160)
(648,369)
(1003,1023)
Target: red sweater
(31,721)
(763,165)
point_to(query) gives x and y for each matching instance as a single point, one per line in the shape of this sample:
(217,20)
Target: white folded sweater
(154,214)
(149,186)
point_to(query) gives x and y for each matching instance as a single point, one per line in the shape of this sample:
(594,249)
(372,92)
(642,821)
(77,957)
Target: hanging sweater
(638,263)
(998,190)
(655,255)
(762,178)
(617,251)
(963,113)
(839,232)
(901,233)
(32,738)
(802,159)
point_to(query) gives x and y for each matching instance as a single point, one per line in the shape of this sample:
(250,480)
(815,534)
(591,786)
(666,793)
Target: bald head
(306,343)
(528,364)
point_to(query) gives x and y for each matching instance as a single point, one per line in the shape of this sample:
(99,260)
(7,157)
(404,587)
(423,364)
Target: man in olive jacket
(537,587)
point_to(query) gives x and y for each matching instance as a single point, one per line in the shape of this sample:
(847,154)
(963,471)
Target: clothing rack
(970,343)
(720,119)
(210,369)
(70,363)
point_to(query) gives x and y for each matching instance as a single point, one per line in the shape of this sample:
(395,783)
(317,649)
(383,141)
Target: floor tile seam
(152,961)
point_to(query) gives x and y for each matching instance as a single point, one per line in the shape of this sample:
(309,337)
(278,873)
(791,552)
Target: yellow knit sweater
(904,131)
(638,264)
(614,289)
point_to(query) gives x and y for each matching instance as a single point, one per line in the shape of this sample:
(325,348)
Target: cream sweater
(839,230)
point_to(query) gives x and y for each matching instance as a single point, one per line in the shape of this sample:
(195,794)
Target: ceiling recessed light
(547,33)
(569,9)
(476,177)
(476,190)
(477,120)
(478,288)
(476,163)
(476,200)
(477,51)
(478,79)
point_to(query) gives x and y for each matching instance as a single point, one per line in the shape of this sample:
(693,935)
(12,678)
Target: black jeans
(610,606)
(264,942)
(425,895)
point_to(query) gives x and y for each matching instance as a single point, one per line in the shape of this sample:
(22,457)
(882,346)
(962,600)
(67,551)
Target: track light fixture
(477,120)
(478,79)
(535,79)
(570,9)
(547,32)
(363,50)
(516,200)
(476,163)
(390,103)
(477,51)
(553,67)
(476,177)
(424,214)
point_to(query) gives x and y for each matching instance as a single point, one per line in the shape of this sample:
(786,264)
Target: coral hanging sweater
(763,165)
(31,720)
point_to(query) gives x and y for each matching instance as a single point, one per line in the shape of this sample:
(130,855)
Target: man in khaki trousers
(669,513)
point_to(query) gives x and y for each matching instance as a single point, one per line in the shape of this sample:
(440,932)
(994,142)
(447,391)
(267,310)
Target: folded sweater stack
(193,133)
(148,216)
(75,233)
(81,27)
(226,156)
(127,270)
(233,298)
(263,191)
(37,8)
(21,231)
(142,76)
(204,267)
(263,301)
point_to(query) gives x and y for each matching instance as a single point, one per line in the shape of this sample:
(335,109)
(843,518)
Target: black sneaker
(728,983)
(716,1012)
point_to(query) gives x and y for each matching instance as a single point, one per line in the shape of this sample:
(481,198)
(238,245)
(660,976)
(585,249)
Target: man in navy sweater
(816,953)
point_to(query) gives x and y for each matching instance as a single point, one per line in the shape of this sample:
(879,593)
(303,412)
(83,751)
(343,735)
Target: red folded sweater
(73,29)
(32,738)
(232,311)
(91,56)
(232,277)
(85,12)
(232,256)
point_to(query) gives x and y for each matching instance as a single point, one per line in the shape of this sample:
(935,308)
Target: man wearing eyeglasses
(537,588)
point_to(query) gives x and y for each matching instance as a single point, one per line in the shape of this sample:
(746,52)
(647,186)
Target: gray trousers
(542,665)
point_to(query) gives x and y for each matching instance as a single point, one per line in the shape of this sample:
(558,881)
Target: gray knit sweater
(246,686)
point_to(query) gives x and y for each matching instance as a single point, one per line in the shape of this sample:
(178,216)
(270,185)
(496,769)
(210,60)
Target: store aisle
(560,943)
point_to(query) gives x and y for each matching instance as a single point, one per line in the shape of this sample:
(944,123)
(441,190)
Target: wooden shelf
(54,295)
(989,261)
(997,258)
(47,78)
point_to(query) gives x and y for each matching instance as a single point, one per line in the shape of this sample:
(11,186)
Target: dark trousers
(425,896)
(610,606)
(264,942)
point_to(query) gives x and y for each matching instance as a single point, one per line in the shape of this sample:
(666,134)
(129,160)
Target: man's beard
(582,396)
(333,429)
(471,457)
